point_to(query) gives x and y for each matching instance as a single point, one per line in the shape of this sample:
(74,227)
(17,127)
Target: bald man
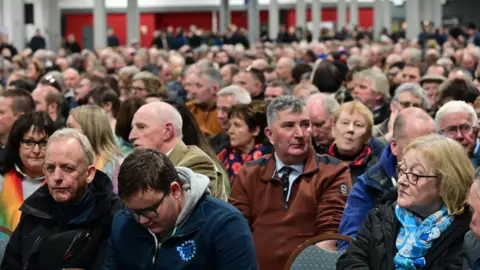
(48,99)
(284,69)
(72,80)
(380,179)
(158,125)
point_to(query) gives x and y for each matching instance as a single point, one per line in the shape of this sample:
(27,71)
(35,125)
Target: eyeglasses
(149,212)
(29,143)
(407,104)
(135,89)
(451,131)
(411,177)
(51,81)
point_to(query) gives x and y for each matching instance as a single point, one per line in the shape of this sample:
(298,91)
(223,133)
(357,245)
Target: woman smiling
(351,131)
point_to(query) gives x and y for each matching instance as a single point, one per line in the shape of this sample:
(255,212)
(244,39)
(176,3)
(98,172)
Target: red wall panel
(118,22)
(75,23)
(148,20)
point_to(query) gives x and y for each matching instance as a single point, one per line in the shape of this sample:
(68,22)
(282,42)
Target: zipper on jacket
(157,247)
(34,247)
(71,245)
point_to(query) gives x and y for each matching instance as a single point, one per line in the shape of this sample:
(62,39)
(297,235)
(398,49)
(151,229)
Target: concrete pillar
(301,13)
(378,21)
(426,7)
(133,22)
(53,21)
(99,24)
(437,13)
(341,14)
(412,10)
(214,22)
(224,16)
(387,15)
(353,13)
(14,22)
(316,18)
(253,21)
(273,19)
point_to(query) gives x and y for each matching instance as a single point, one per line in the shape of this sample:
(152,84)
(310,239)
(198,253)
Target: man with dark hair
(300,71)
(253,81)
(276,89)
(13,103)
(380,179)
(456,89)
(182,226)
(48,99)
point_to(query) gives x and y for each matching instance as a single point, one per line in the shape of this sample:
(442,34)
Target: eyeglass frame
(458,128)
(407,175)
(24,143)
(146,211)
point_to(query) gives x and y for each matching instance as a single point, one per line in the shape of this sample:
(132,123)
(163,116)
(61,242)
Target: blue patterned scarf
(417,236)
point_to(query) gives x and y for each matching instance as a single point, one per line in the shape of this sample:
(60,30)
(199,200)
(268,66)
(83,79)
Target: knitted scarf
(417,236)
(11,198)
(232,159)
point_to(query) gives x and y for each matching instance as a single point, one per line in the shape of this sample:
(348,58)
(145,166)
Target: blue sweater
(366,192)
(215,236)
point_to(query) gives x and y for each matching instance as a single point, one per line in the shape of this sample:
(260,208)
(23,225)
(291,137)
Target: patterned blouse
(232,159)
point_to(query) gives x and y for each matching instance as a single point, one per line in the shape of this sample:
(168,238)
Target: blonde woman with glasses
(425,228)
(93,122)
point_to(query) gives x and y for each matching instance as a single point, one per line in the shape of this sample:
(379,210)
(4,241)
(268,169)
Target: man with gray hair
(158,125)
(373,90)
(226,98)
(458,120)
(294,194)
(76,205)
(204,85)
(276,89)
(406,95)
(320,110)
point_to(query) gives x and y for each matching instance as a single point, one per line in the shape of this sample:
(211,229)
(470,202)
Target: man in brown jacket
(294,194)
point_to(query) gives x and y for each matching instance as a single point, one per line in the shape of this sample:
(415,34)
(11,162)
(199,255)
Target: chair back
(308,256)
(5,235)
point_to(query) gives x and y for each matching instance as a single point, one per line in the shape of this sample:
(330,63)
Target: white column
(353,13)
(316,18)
(301,13)
(387,15)
(413,18)
(224,16)
(14,22)
(378,21)
(214,22)
(53,20)
(99,24)
(133,21)
(253,21)
(426,8)
(341,14)
(437,13)
(273,19)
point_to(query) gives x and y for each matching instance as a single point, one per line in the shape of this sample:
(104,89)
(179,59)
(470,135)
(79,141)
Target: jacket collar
(178,152)
(42,205)
(310,165)
(196,220)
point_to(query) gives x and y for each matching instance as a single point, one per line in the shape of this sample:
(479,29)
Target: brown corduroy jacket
(315,206)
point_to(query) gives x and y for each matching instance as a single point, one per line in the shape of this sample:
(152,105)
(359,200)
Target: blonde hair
(95,125)
(451,163)
(356,107)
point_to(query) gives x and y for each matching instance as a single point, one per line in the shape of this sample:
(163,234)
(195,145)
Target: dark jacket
(215,236)
(219,141)
(471,245)
(53,236)
(366,193)
(112,41)
(374,248)
(37,43)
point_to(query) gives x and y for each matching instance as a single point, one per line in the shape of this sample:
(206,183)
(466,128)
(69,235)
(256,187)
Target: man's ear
(176,190)
(52,108)
(394,147)
(169,131)
(268,134)
(107,106)
(91,173)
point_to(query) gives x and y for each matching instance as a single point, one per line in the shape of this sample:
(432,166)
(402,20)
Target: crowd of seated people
(226,156)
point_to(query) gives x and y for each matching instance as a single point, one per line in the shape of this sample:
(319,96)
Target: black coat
(45,240)
(374,248)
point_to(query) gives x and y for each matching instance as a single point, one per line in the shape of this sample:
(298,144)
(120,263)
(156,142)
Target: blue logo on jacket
(187,250)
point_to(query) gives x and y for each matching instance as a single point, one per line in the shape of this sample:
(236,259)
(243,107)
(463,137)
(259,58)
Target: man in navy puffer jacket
(173,223)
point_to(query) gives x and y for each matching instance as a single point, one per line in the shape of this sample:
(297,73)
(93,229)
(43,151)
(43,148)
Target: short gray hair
(287,91)
(70,133)
(283,103)
(213,75)
(416,90)
(456,106)
(329,102)
(239,94)
(379,81)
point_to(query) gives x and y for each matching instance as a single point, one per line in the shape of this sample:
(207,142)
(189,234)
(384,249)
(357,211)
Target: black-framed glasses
(29,143)
(451,131)
(149,212)
(411,177)
(408,104)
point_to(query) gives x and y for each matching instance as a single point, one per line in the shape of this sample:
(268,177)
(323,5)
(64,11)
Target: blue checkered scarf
(416,237)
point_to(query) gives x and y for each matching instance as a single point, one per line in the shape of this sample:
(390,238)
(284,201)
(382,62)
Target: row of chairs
(307,256)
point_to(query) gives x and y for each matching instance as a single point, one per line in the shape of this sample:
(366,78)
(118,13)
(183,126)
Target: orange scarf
(11,198)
